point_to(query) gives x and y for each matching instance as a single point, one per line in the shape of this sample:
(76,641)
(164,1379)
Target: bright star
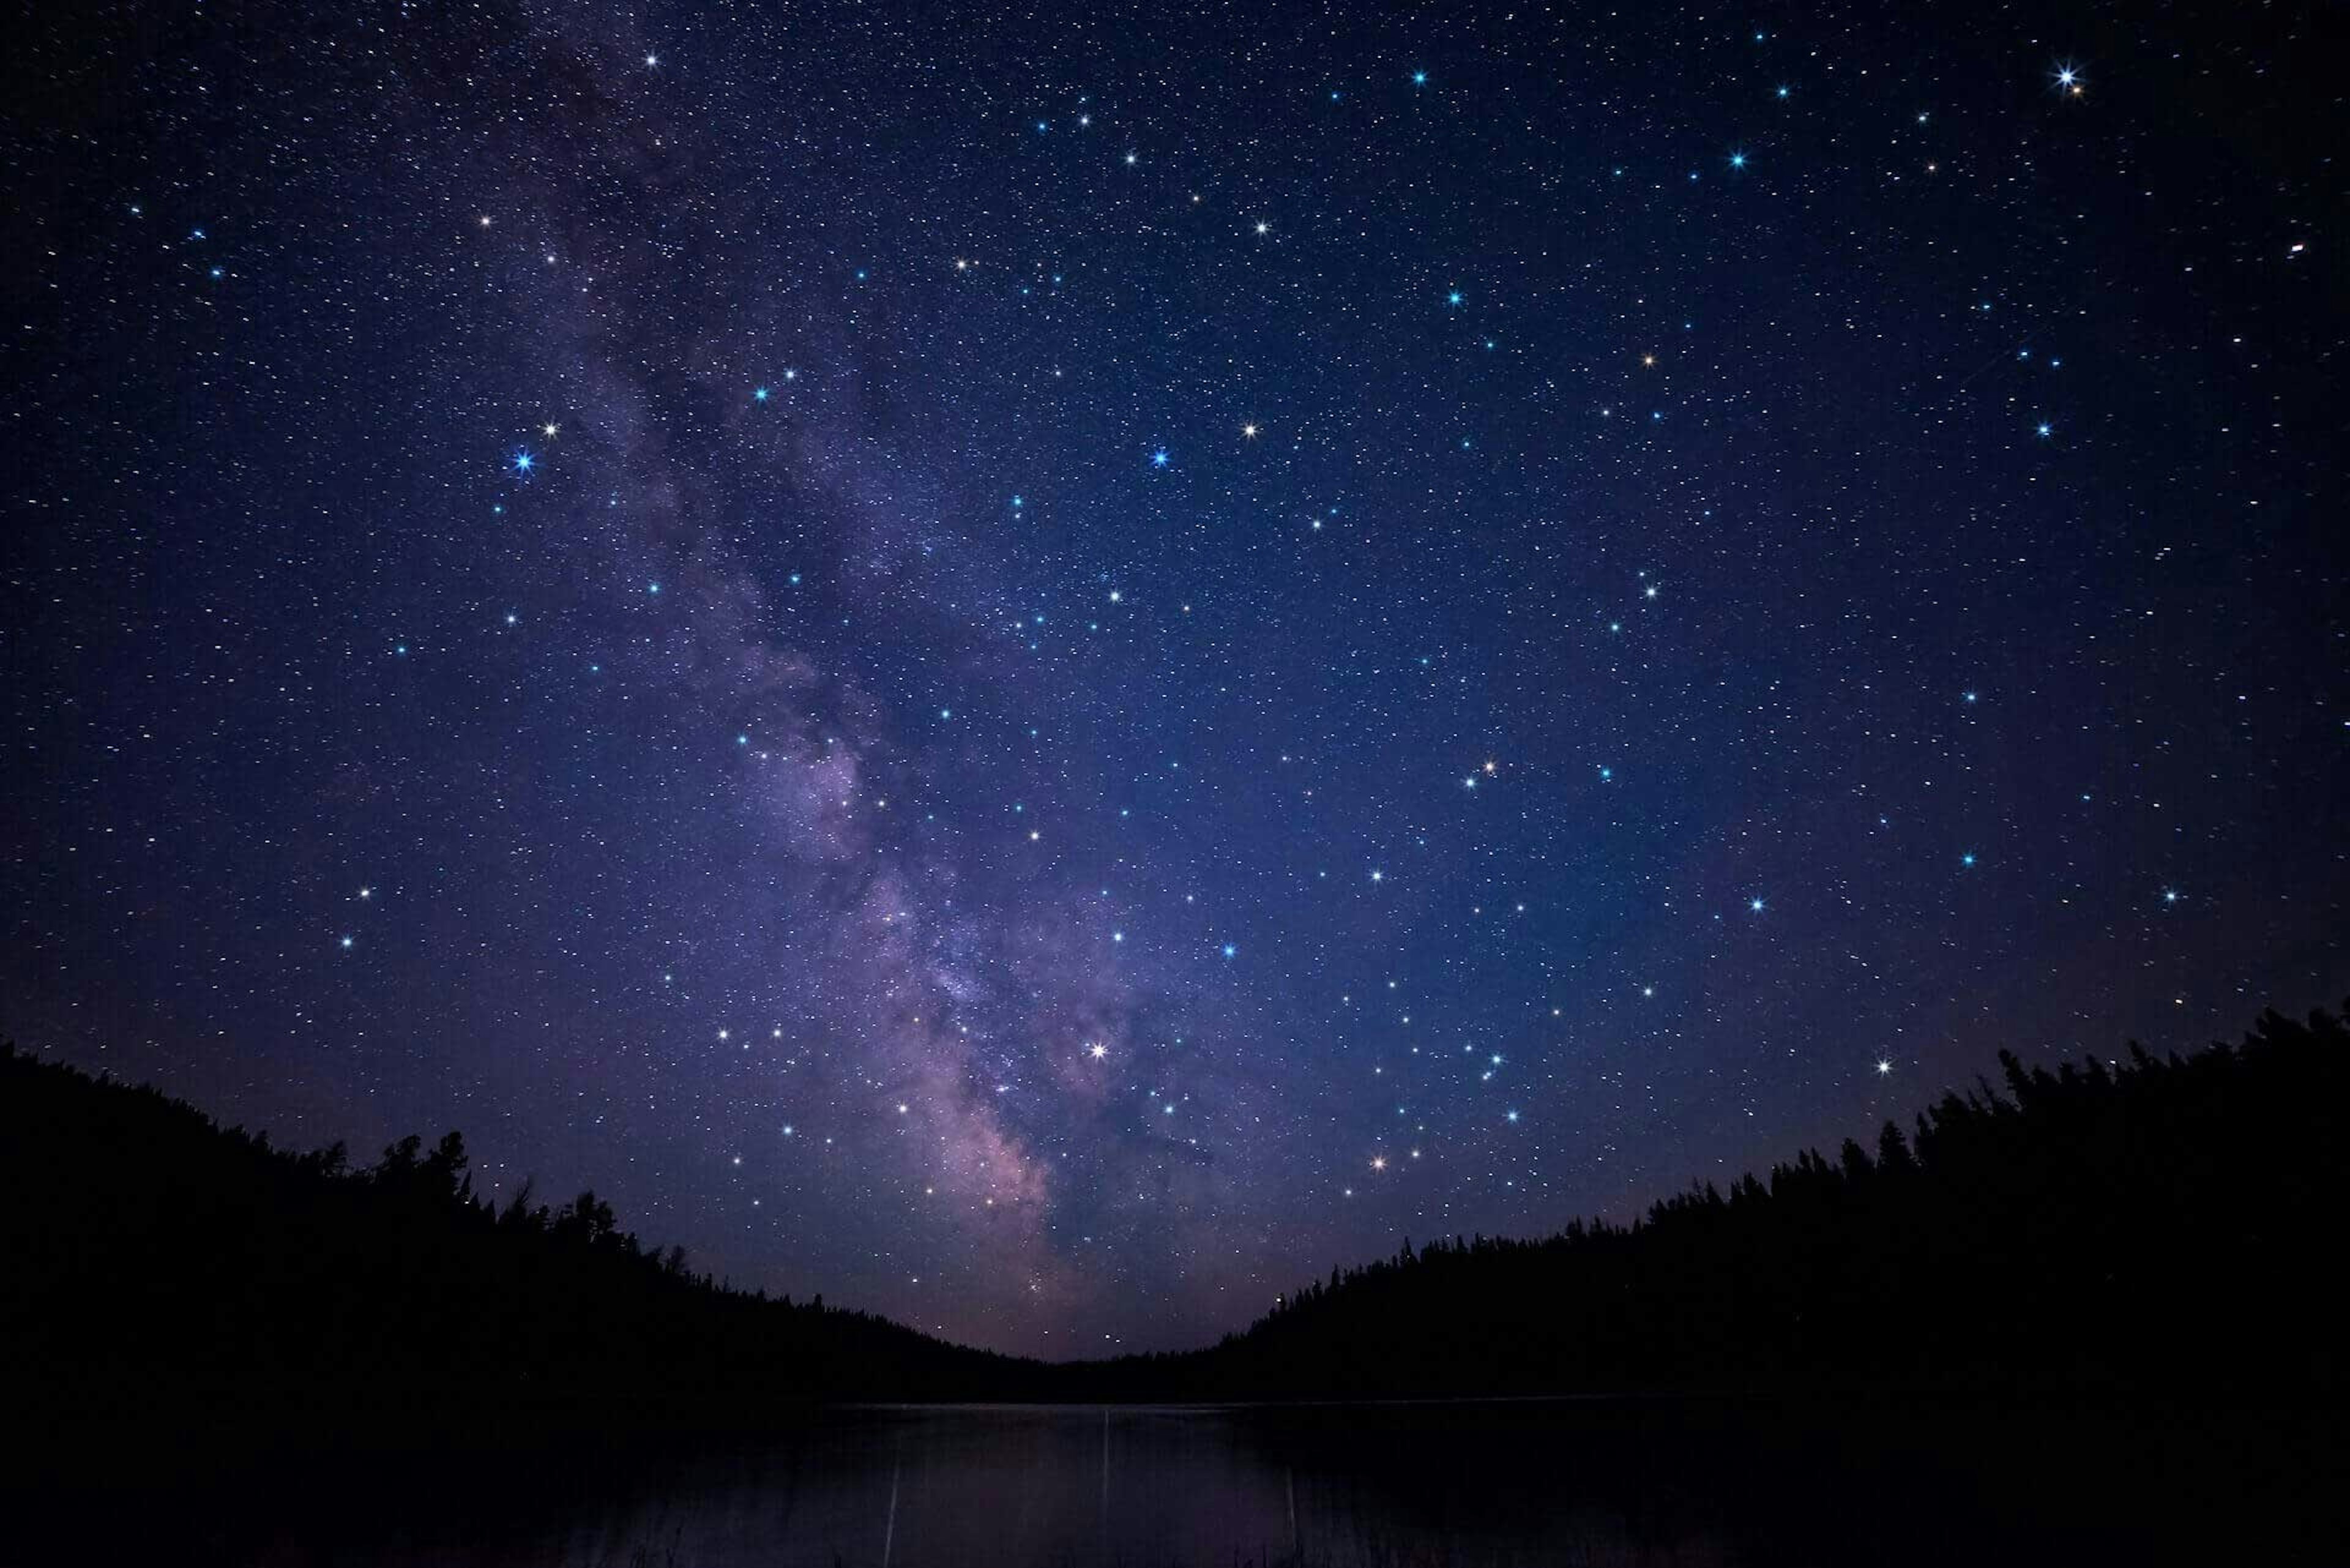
(1738,161)
(1230,951)
(758,394)
(1249,431)
(548,431)
(2045,430)
(523,462)
(1419,79)
(1756,906)
(1453,298)
(1098,1051)
(1883,1067)
(1159,459)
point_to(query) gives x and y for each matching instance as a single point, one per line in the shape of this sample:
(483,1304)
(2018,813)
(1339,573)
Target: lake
(1598,1482)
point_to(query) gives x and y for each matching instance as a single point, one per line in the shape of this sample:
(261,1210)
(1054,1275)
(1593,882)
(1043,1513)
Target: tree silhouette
(2154,1224)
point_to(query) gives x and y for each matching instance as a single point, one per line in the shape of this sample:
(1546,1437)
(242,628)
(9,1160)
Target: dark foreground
(1604,1482)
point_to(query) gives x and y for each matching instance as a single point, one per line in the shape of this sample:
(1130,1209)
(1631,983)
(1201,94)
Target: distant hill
(2158,1226)
(167,1280)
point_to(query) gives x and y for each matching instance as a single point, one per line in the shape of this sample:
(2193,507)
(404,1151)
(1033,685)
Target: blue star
(523,462)
(1783,92)
(1755,905)
(1453,298)
(1230,951)
(1738,161)
(1159,459)
(1419,79)
(758,394)
(1967,859)
(1017,504)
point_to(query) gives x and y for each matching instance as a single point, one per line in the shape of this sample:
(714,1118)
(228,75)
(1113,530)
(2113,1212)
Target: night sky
(1046,672)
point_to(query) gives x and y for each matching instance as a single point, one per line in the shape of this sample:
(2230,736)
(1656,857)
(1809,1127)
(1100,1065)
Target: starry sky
(1045,669)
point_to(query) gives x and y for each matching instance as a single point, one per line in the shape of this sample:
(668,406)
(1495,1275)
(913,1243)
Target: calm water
(1549,1482)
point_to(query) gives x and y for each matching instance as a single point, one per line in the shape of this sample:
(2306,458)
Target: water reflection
(1599,1483)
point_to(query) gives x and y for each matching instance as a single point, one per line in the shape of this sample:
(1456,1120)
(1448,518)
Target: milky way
(1046,672)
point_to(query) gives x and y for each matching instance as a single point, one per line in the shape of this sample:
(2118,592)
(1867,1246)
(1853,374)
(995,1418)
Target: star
(1262,227)
(1738,161)
(1098,1050)
(1419,79)
(1249,431)
(523,462)
(1755,905)
(2044,429)
(1883,1067)
(1453,298)
(1160,459)
(548,431)
(758,394)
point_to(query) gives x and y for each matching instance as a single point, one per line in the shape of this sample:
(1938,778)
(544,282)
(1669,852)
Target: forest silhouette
(2155,1225)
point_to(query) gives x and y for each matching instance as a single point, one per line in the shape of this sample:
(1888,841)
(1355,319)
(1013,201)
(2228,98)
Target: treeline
(2155,1225)
(2158,1225)
(163,1278)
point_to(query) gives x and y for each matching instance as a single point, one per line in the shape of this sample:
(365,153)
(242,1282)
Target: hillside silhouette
(2158,1226)
(171,1281)
(2153,1225)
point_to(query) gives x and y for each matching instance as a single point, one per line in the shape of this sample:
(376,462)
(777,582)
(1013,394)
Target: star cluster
(1048,672)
